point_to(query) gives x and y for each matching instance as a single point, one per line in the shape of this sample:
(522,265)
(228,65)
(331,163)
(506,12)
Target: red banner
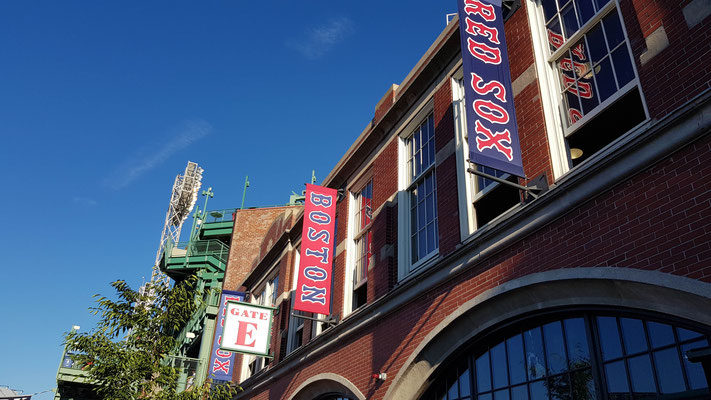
(313,288)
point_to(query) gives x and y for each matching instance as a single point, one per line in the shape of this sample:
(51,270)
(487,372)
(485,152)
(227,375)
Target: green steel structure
(72,380)
(204,255)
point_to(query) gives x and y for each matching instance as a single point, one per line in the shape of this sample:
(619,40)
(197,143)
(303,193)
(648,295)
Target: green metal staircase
(205,256)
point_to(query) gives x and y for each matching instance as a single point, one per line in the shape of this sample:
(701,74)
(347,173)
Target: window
(254,364)
(596,86)
(318,327)
(419,207)
(296,331)
(272,290)
(362,209)
(483,198)
(257,363)
(581,357)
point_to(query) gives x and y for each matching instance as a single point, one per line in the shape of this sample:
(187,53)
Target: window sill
(603,155)
(422,265)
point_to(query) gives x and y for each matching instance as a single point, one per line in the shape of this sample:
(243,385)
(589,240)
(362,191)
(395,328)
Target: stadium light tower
(182,201)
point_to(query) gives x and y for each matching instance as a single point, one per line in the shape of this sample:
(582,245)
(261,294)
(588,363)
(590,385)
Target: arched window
(585,356)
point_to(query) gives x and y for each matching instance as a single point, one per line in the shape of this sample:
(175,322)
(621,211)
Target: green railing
(219,215)
(68,362)
(187,370)
(198,248)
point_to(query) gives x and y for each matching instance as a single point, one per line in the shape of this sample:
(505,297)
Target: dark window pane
(623,65)
(517,365)
(538,391)
(588,97)
(601,3)
(609,338)
(669,372)
(555,35)
(562,4)
(582,385)
(596,43)
(453,391)
(633,335)
(585,10)
(613,29)
(685,334)
(570,22)
(555,347)
(498,365)
(605,79)
(431,237)
(576,338)
(566,66)
(502,395)
(641,374)
(425,156)
(429,203)
(616,378)
(694,371)
(549,8)
(483,374)
(660,334)
(573,105)
(464,385)
(519,392)
(534,354)
(485,396)
(559,387)
(422,245)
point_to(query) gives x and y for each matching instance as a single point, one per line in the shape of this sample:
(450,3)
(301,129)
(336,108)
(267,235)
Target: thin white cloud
(84,201)
(319,40)
(147,158)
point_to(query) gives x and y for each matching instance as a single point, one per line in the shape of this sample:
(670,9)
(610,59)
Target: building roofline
(440,53)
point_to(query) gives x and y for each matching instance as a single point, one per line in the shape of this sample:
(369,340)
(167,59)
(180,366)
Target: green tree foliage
(126,355)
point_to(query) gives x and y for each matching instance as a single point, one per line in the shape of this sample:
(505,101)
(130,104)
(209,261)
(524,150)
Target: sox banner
(314,279)
(222,361)
(491,118)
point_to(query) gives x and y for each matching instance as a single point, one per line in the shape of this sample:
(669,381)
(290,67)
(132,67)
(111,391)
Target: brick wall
(247,235)
(681,69)
(658,220)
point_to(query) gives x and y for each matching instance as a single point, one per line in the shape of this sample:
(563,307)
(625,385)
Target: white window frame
(549,82)
(355,233)
(405,265)
(272,288)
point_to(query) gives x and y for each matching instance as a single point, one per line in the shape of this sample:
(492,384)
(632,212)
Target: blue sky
(103,103)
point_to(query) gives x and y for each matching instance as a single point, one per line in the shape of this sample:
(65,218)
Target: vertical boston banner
(222,361)
(491,118)
(313,284)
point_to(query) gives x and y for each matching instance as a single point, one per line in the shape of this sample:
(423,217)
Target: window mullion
(581,31)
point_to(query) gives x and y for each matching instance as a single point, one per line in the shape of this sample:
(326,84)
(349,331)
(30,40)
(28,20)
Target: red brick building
(451,286)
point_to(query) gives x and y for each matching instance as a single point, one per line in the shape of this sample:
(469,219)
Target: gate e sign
(247,328)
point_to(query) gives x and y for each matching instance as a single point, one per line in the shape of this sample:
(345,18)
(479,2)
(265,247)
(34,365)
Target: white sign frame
(247,328)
